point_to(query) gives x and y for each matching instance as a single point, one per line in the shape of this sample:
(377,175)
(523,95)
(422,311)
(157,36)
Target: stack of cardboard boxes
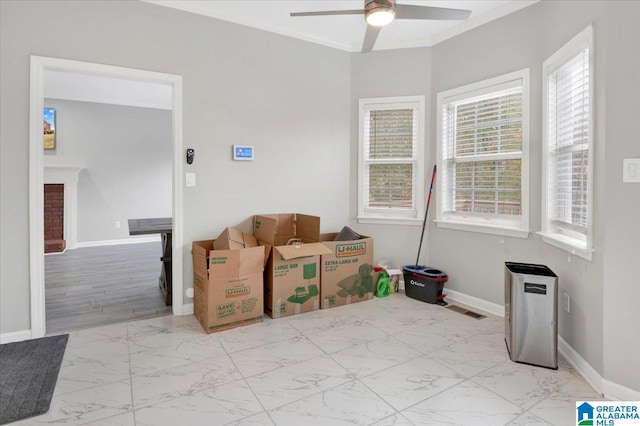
(285,268)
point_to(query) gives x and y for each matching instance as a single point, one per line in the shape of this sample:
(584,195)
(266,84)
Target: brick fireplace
(54,218)
(60,207)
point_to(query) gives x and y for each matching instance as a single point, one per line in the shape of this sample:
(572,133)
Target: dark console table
(164,227)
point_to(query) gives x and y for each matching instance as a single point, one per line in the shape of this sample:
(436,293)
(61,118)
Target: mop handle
(424,222)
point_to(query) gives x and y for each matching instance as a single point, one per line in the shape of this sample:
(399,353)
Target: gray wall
(297,104)
(621,201)
(603,292)
(402,72)
(602,325)
(127,153)
(288,98)
(478,267)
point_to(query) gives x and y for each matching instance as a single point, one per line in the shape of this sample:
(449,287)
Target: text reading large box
(292,275)
(228,286)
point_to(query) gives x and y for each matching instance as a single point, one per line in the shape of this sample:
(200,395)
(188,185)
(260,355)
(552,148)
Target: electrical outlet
(566,302)
(117,224)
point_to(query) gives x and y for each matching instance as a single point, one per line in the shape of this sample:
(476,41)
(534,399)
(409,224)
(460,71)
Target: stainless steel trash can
(531,314)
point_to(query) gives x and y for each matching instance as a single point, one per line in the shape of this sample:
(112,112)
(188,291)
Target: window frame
(392,216)
(475,223)
(582,40)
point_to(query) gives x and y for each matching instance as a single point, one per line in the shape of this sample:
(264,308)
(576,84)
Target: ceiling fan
(379,13)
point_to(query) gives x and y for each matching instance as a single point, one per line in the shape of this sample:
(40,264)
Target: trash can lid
(530,269)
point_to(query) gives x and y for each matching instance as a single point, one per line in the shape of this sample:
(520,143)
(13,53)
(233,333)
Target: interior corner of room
(211,84)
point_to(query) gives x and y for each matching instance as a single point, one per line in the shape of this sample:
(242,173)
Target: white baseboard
(609,389)
(149,239)
(15,336)
(622,393)
(583,367)
(474,302)
(187,309)
(606,387)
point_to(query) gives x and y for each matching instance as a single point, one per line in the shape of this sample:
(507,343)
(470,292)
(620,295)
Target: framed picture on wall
(49,128)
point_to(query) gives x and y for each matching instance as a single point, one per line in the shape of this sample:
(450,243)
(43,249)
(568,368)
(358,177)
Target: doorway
(40,65)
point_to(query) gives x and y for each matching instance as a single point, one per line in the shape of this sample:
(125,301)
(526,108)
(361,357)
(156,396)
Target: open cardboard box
(233,239)
(292,274)
(228,286)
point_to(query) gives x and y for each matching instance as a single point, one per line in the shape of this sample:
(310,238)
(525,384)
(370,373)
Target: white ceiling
(346,32)
(341,32)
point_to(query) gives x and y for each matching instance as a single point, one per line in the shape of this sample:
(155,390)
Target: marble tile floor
(393,361)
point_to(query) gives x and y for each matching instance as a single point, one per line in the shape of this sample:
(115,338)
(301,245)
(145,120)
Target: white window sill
(504,231)
(390,220)
(567,244)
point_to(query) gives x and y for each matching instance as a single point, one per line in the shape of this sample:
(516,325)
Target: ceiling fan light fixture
(380,17)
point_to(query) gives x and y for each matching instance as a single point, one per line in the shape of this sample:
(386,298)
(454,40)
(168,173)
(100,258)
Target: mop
(435,277)
(424,222)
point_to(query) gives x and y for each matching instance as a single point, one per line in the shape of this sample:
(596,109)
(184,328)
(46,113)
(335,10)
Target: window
(483,133)
(567,146)
(391,169)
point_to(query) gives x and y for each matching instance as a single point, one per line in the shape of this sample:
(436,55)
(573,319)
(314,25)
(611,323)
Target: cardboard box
(292,274)
(233,239)
(228,286)
(278,229)
(346,274)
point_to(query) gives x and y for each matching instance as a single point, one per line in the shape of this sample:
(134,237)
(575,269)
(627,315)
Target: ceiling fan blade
(370,38)
(406,11)
(329,12)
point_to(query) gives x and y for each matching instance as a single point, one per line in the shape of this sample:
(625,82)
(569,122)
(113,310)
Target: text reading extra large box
(292,274)
(228,286)
(346,274)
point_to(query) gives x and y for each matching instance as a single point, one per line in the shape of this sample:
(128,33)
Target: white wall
(127,155)
(288,98)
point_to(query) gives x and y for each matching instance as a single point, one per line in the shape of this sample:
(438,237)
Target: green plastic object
(313,290)
(383,287)
(309,271)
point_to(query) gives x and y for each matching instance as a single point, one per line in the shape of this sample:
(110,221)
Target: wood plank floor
(93,286)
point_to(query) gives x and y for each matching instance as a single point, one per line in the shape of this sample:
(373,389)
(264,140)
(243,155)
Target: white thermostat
(242,152)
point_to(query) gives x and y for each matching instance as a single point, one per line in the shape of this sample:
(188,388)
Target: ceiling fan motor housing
(371,5)
(379,12)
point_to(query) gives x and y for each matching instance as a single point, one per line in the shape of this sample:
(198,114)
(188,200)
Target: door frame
(40,64)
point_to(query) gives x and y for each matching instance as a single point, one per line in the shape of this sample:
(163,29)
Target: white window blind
(568,141)
(390,148)
(482,154)
(390,157)
(569,145)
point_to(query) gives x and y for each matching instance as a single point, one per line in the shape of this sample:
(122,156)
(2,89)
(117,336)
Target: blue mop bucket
(424,283)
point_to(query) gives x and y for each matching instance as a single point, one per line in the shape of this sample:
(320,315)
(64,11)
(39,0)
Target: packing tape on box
(277,308)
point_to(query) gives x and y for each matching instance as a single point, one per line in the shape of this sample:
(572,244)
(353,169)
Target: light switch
(191,179)
(631,170)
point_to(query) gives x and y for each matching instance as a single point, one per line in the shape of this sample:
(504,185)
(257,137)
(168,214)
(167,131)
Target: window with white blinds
(483,154)
(391,144)
(568,143)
